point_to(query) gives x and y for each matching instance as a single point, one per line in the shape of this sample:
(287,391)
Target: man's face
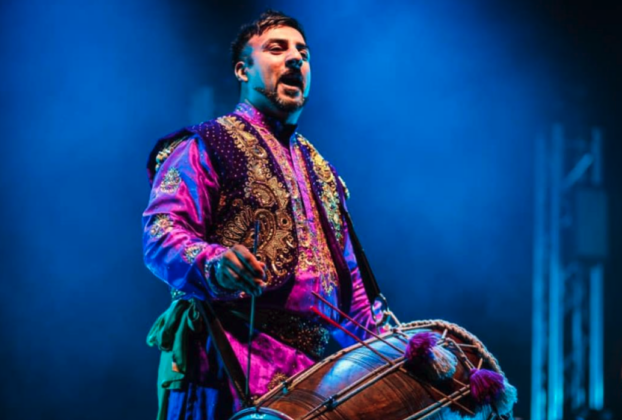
(278,72)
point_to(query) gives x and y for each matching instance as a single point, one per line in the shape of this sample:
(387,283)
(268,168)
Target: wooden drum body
(374,381)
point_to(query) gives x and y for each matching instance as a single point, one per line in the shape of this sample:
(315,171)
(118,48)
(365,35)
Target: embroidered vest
(253,187)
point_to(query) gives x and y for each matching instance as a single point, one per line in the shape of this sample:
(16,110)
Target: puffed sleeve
(182,204)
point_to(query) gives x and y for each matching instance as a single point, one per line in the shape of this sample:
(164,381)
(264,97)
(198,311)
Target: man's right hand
(240,270)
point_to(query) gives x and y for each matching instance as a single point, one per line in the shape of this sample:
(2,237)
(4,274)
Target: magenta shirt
(182,203)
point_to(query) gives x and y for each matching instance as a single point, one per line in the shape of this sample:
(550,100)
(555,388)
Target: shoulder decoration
(165,152)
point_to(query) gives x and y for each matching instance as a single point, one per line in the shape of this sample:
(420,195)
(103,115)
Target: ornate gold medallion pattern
(276,243)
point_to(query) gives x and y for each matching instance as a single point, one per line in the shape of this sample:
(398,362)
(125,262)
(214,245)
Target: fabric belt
(308,335)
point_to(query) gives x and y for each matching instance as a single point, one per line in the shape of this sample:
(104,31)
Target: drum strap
(367,275)
(220,342)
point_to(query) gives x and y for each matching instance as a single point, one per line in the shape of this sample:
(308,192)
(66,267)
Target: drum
(376,380)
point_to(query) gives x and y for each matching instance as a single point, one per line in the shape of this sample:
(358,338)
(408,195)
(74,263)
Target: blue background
(429,110)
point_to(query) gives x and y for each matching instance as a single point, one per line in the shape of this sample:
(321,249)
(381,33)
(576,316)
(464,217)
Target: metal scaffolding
(570,245)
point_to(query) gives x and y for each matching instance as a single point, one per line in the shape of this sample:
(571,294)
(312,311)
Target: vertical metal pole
(556,285)
(538,349)
(596,381)
(577,382)
(596,393)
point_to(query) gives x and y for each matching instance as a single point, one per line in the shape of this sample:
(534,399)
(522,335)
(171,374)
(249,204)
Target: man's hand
(240,270)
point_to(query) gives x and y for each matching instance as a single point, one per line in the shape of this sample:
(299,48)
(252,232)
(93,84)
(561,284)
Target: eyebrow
(299,45)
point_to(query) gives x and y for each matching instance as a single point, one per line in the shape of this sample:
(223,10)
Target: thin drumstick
(356,323)
(336,324)
(251,326)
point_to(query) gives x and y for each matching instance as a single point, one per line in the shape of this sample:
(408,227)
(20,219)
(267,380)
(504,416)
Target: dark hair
(267,20)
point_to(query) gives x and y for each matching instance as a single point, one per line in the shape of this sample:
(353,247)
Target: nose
(294,60)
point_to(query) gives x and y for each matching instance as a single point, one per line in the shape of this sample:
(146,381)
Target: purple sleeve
(183,199)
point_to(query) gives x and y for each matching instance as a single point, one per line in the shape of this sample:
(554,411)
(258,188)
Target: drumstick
(336,324)
(251,326)
(356,323)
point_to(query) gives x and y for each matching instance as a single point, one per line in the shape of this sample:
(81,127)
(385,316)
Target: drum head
(260,414)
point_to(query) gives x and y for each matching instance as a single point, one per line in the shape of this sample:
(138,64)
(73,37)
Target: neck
(282,129)
(269,110)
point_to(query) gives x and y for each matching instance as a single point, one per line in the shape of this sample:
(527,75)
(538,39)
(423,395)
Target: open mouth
(292,80)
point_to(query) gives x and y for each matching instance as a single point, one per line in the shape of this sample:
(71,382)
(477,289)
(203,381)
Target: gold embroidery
(317,258)
(162,224)
(192,251)
(313,256)
(277,379)
(165,152)
(171,181)
(328,189)
(276,243)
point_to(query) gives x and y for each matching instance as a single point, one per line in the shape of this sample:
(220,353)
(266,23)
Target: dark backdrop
(429,110)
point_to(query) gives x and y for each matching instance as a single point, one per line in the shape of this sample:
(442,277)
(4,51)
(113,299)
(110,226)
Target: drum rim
(261,410)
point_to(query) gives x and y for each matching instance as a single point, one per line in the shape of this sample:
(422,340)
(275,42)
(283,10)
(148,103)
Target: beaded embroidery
(170,183)
(162,224)
(192,251)
(298,332)
(165,152)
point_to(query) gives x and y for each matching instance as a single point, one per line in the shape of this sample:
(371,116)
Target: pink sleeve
(360,309)
(182,203)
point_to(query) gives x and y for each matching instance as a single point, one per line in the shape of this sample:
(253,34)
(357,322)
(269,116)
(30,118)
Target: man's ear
(240,71)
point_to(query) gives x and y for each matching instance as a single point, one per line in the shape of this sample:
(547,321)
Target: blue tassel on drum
(424,355)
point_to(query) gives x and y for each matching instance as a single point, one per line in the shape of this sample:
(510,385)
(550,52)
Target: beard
(279,103)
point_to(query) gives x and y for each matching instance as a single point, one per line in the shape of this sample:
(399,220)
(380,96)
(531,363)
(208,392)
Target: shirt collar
(282,132)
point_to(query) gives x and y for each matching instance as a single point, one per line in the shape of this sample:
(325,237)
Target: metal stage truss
(570,246)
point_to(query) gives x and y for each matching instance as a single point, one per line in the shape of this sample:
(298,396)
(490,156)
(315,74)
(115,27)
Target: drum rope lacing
(379,373)
(397,364)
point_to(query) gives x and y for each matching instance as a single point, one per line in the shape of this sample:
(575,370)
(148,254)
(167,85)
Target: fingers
(250,262)
(240,270)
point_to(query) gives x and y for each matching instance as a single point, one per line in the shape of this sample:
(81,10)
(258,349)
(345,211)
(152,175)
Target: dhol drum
(420,370)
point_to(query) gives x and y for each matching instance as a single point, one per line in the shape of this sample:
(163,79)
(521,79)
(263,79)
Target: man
(211,185)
